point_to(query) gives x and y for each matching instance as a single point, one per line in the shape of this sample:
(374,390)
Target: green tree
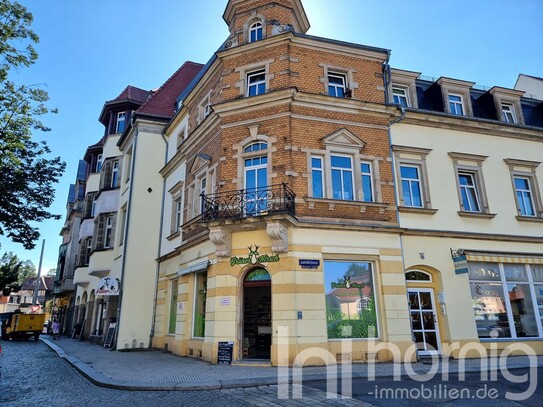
(28,175)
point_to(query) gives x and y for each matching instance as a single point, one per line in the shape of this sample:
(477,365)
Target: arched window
(255,32)
(255,147)
(417,275)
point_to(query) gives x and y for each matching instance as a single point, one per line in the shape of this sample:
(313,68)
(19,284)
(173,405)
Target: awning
(504,257)
(203,265)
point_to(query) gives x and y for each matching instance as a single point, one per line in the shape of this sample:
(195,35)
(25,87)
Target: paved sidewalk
(157,370)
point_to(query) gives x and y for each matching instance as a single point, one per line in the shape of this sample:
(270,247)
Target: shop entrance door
(257,330)
(424,324)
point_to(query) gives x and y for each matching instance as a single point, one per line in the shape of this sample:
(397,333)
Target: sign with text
(253,258)
(226,350)
(460,261)
(309,263)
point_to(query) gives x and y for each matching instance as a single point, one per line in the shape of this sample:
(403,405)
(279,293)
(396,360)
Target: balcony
(246,203)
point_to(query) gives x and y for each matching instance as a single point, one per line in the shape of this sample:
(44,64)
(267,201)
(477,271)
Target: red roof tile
(133,93)
(163,101)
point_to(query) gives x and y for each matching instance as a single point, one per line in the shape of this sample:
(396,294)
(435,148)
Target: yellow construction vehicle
(22,326)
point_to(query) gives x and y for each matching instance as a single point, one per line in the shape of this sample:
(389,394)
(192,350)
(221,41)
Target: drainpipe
(125,239)
(161,227)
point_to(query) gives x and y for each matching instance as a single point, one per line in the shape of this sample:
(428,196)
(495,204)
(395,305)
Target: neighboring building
(468,167)
(64,288)
(136,247)
(279,192)
(24,298)
(128,158)
(532,85)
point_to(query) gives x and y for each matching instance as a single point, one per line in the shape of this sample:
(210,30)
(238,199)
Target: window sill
(529,218)
(173,235)
(415,209)
(483,215)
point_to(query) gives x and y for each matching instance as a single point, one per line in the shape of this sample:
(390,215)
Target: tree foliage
(27,174)
(13,272)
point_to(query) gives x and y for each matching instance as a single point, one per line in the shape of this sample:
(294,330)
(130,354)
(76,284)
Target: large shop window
(350,300)
(200,295)
(507,299)
(174,285)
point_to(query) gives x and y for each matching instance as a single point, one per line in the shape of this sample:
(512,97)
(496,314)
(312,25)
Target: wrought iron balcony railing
(245,203)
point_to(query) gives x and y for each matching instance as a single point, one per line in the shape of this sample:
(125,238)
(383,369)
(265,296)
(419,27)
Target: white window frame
(336,86)
(115,174)
(321,170)
(99,162)
(473,187)
(456,104)
(413,157)
(256,28)
(527,195)
(121,118)
(108,232)
(404,95)
(342,170)
(508,113)
(256,84)
(472,165)
(370,175)
(411,182)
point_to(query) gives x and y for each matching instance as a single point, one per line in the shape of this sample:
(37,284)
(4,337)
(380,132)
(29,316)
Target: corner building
(280,223)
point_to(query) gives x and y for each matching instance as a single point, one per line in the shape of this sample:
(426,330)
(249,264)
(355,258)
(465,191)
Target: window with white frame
(204,108)
(525,197)
(470,184)
(469,191)
(256,82)
(119,127)
(104,231)
(99,162)
(508,113)
(400,96)
(85,250)
(456,105)
(115,174)
(255,32)
(317,177)
(181,136)
(108,236)
(200,187)
(526,189)
(413,186)
(342,177)
(90,205)
(337,84)
(367,182)
(507,298)
(177,213)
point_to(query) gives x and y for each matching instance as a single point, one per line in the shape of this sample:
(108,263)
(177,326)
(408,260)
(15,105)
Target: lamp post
(37,285)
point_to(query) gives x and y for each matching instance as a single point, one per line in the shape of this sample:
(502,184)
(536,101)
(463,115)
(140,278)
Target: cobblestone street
(33,375)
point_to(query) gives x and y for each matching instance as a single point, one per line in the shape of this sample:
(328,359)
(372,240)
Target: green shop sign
(347,284)
(254,257)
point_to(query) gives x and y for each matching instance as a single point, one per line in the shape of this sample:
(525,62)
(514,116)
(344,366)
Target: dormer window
(255,32)
(336,85)
(508,114)
(121,116)
(456,105)
(399,94)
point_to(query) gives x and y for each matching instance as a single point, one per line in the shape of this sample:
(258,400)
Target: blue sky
(90,50)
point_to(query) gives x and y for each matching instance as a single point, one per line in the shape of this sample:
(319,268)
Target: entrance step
(252,362)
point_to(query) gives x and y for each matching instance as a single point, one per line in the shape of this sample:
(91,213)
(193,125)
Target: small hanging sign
(460,261)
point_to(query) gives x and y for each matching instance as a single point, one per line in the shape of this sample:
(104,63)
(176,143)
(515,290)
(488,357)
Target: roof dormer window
(255,32)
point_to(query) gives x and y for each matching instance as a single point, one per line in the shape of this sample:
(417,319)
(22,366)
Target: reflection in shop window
(350,300)
(200,305)
(503,303)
